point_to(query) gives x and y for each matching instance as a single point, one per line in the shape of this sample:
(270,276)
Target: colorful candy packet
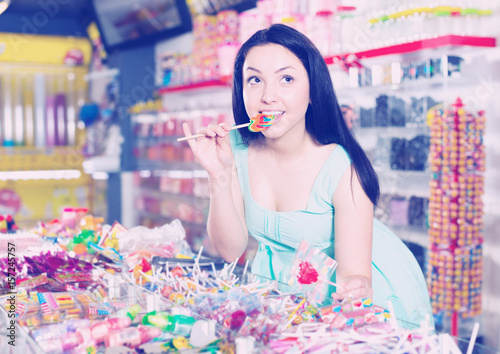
(311,272)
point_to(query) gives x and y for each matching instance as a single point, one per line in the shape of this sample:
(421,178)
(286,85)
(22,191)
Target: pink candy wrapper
(311,260)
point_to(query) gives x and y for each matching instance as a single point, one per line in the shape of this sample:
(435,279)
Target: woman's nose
(269,95)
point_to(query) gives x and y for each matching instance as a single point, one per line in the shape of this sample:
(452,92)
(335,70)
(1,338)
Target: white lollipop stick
(473,337)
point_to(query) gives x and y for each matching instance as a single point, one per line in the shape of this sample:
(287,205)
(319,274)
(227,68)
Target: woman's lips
(277,119)
(277,115)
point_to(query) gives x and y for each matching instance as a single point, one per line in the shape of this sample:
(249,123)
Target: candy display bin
(42,327)
(243,343)
(169,303)
(23,342)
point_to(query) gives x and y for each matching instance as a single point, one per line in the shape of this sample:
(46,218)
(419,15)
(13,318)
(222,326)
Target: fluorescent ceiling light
(49,174)
(4,5)
(100,175)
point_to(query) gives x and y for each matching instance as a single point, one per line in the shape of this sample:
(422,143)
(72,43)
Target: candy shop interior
(103,210)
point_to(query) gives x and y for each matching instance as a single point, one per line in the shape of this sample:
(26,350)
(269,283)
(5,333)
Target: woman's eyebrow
(277,71)
(251,68)
(283,69)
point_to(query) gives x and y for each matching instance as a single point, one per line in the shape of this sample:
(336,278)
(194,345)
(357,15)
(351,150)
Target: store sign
(24,48)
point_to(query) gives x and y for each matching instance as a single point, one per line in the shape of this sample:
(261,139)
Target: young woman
(305,177)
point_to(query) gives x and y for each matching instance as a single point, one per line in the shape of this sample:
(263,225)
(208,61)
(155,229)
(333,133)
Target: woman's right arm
(226,224)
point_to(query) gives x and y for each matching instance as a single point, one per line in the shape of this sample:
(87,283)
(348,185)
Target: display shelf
(411,234)
(107,164)
(491,206)
(40,158)
(410,130)
(418,85)
(159,139)
(168,219)
(197,86)
(161,159)
(102,74)
(404,183)
(150,165)
(197,97)
(405,48)
(395,86)
(12,176)
(147,118)
(154,192)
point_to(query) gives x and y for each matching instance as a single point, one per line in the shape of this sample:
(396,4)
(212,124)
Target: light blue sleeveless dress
(396,275)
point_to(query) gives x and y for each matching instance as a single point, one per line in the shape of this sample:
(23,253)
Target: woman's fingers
(359,293)
(357,287)
(226,126)
(186,129)
(219,130)
(187,132)
(212,130)
(212,149)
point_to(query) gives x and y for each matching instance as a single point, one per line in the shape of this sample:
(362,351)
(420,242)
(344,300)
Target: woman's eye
(287,79)
(253,80)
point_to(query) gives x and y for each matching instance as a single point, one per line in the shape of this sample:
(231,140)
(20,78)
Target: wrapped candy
(311,272)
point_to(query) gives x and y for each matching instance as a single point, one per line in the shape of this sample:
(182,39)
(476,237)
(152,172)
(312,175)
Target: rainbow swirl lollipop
(261,122)
(257,124)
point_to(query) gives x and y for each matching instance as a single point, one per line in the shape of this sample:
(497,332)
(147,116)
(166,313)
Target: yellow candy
(367,302)
(178,298)
(180,343)
(180,255)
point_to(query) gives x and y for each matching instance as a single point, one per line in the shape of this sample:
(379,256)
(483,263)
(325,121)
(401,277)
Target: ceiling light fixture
(37,175)
(4,4)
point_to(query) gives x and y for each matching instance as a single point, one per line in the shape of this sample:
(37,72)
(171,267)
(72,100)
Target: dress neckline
(321,171)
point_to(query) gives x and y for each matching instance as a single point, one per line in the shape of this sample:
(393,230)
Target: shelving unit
(170,184)
(404,183)
(415,46)
(198,86)
(412,234)
(42,87)
(40,158)
(40,181)
(162,195)
(377,137)
(470,79)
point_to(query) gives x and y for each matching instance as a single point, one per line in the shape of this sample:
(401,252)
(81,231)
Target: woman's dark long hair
(324,120)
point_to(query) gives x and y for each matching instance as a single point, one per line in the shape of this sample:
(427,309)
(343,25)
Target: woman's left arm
(353,238)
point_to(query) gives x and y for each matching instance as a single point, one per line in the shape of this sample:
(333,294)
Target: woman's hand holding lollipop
(213,149)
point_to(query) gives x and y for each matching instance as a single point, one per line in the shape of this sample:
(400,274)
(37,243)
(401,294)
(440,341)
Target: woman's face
(276,82)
